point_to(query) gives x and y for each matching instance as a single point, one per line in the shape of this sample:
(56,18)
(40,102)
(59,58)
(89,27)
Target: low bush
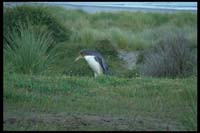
(37,15)
(106,48)
(170,57)
(29,51)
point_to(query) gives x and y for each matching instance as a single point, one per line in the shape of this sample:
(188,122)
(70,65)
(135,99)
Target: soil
(78,122)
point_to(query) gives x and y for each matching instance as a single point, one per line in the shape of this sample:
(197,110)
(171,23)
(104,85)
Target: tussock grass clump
(28,50)
(37,15)
(170,57)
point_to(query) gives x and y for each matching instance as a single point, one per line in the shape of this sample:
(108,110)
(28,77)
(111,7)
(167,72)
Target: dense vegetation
(73,30)
(49,102)
(41,79)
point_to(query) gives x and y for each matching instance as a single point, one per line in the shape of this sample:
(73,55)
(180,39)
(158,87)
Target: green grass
(100,24)
(75,30)
(56,93)
(39,17)
(29,50)
(150,99)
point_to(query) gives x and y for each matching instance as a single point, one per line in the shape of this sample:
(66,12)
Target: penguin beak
(79,57)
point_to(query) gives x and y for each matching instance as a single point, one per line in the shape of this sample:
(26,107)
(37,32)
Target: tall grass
(87,36)
(189,96)
(76,30)
(190,119)
(37,15)
(29,50)
(171,56)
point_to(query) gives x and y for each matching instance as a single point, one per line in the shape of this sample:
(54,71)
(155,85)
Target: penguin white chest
(93,64)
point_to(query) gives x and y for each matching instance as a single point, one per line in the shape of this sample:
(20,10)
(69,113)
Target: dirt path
(79,122)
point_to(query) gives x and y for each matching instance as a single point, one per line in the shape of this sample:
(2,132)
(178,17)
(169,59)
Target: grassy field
(44,89)
(104,103)
(73,30)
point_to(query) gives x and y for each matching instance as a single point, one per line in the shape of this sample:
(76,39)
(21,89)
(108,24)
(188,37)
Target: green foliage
(28,50)
(106,32)
(153,101)
(190,119)
(106,48)
(37,74)
(184,18)
(131,73)
(85,36)
(67,57)
(67,52)
(37,15)
(120,38)
(88,36)
(70,16)
(134,21)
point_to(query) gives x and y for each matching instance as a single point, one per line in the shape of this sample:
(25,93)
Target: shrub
(171,57)
(37,15)
(106,48)
(29,50)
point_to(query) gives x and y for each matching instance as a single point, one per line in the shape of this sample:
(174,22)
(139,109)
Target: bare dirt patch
(77,122)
